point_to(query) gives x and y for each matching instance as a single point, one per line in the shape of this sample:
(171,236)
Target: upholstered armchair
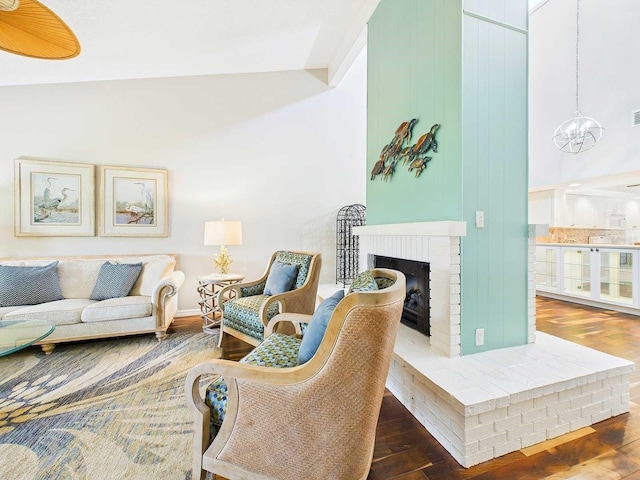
(310,421)
(247,307)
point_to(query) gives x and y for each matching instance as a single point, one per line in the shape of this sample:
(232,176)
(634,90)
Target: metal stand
(347,245)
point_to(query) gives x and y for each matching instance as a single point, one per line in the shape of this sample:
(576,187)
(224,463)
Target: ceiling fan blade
(35,31)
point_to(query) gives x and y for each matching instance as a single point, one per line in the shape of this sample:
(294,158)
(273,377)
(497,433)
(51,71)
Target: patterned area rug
(110,409)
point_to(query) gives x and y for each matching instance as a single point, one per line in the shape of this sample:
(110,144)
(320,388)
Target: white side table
(208,288)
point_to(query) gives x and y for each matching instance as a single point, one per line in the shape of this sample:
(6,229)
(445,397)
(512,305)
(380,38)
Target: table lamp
(223,233)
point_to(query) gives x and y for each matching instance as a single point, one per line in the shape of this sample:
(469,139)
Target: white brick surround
(439,244)
(488,404)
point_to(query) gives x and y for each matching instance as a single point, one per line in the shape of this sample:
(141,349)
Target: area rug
(112,409)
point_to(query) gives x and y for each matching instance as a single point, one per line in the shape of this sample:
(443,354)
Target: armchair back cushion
(303,260)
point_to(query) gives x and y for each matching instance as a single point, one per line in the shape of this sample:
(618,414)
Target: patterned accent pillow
(115,280)
(363,282)
(281,278)
(29,285)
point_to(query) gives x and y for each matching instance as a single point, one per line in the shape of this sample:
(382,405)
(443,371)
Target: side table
(208,288)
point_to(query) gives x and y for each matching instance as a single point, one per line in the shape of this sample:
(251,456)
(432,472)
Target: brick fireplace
(485,405)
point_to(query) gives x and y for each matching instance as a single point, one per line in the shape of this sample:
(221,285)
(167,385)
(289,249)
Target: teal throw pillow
(363,282)
(317,326)
(29,285)
(281,278)
(115,280)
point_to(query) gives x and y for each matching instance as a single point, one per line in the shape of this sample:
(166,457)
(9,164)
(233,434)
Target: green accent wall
(414,68)
(463,64)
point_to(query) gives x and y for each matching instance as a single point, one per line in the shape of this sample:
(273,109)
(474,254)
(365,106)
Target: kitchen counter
(590,245)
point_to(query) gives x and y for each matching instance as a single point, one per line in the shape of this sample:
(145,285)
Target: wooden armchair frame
(313,421)
(300,300)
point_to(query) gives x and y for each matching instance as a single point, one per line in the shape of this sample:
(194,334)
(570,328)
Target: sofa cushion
(61,312)
(115,280)
(6,310)
(78,276)
(154,269)
(29,285)
(281,278)
(317,326)
(117,309)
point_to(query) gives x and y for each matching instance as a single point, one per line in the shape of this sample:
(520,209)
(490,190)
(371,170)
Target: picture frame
(53,198)
(133,202)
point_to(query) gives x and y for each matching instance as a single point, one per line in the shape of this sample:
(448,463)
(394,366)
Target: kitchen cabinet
(599,275)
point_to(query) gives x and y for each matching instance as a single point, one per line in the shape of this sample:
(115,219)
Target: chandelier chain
(577,51)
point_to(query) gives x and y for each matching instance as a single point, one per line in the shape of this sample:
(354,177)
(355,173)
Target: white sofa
(149,307)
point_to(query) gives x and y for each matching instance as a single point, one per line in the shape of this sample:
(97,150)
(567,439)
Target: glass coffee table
(18,334)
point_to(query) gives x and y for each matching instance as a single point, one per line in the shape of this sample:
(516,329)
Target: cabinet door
(617,275)
(547,268)
(577,271)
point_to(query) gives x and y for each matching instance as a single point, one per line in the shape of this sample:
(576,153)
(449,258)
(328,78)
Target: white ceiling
(165,38)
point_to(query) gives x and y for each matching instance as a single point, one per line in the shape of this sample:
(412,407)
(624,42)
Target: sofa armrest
(162,292)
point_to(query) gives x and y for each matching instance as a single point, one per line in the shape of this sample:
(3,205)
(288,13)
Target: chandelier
(578,133)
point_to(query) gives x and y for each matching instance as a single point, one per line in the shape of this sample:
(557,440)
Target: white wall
(609,69)
(281,152)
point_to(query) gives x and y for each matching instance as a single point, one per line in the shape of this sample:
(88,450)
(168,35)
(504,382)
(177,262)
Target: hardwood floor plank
(611,465)
(553,442)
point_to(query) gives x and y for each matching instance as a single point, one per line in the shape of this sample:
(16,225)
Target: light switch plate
(479,219)
(479,337)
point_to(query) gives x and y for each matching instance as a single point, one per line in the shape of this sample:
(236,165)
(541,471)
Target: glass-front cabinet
(546,267)
(577,271)
(617,275)
(607,275)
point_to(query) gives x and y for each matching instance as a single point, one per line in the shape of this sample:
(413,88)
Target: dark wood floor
(404,450)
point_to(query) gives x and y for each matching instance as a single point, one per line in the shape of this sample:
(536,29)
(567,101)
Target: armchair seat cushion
(277,351)
(243,314)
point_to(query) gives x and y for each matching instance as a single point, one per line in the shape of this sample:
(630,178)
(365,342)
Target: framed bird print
(133,202)
(53,198)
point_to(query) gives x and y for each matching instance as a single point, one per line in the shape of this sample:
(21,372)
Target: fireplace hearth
(416,305)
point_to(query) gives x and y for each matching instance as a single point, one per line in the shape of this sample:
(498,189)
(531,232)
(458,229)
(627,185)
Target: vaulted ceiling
(165,38)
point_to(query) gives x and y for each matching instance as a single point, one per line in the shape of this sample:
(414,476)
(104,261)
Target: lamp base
(223,260)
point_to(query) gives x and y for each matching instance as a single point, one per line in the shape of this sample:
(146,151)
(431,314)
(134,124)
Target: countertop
(592,245)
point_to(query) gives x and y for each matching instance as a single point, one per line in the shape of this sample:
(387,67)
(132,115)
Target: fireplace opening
(415,313)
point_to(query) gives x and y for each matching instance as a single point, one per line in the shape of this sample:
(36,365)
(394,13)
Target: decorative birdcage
(347,245)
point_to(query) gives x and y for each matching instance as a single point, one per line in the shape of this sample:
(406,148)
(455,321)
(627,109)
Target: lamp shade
(223,232)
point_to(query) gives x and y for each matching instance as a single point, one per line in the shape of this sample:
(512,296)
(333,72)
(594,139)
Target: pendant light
(578,133)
